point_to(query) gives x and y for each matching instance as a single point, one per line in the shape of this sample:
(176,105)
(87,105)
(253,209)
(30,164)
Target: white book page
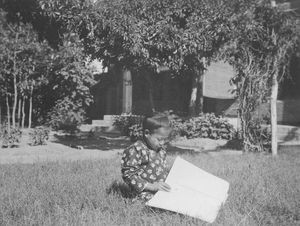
(194,192)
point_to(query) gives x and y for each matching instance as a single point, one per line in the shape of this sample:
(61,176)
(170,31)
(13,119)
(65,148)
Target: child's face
(157,139)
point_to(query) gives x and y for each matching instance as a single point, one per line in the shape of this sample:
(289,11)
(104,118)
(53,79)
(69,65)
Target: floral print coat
(141,165)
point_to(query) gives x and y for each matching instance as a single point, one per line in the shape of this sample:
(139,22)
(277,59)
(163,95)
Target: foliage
(11,137)
(23,61)
(255,38)
(125,121)
(141,34)
(263,43)
(69,81)
(135,132)
(172,33)
(261,135)
(39,135)
(205,126)
(45,74)
(66,115)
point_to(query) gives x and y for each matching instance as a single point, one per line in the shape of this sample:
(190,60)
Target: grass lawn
(263,191)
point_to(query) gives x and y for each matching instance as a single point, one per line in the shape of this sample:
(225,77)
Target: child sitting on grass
(143,164)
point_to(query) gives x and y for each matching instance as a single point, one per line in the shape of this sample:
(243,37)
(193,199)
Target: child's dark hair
(155,122)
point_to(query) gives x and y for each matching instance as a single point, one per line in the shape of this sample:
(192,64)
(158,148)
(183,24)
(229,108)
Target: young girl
(143,164)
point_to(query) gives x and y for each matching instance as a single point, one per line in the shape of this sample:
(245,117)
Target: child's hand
(158,186)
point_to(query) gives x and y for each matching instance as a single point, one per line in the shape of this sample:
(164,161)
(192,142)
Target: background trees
(35,77)
(19,59)
(183,36)
(180,35)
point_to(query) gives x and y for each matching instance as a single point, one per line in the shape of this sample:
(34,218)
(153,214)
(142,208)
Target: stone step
(109,118)
(86,127)
(105,131)
(99,128)
(288,133)
(102,123)
(284,132)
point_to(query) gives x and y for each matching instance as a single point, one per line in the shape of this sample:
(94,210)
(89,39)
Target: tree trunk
(30,108)
(151,100)
(274,95)
(15,102)
(193,98)
(23,112)
(196,99)
(8,113)
(127,92)
(15,87)
(19,111)
(200,99)
(0,114)
(150,91)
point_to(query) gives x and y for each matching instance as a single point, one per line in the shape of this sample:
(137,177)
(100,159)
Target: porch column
(127,92)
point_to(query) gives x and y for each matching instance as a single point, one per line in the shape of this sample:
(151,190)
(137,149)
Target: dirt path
(52,152)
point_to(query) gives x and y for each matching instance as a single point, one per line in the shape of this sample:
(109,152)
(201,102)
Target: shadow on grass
(235,144)
(121,189)
(173,150)
(290,150)
(92,142)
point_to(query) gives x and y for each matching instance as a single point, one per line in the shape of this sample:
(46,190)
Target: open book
(194,192)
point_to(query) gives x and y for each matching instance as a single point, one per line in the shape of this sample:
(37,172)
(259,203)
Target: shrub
(39,136)
(136,132)
(1,131)
(125,121)
(260,136)
(66,115)
(11,137)
(206,126)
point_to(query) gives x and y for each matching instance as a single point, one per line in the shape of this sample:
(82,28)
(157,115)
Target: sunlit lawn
(263,191)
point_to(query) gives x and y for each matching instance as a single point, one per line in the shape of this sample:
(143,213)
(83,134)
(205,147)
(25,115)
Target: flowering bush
(260,136)
(124,123)
(11,137)
(66,115)
(206,126)
(136,132)
(39,136)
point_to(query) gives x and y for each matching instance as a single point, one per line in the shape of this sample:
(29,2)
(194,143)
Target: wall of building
(169,93)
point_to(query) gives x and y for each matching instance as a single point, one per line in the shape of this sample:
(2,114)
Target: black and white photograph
(149,112)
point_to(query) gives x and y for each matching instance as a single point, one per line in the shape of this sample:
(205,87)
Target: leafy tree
(68,86)
(29,67)
(139,34)
(264,40)
(182,35)
(22,58)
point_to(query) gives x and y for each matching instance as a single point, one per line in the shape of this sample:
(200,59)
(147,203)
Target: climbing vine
(262,46)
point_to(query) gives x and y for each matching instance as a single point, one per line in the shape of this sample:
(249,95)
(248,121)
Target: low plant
(11,137)
(125,121)
(1,132)
(39,135)
(260,136)
(66,115)
(136,132)
(205,126)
